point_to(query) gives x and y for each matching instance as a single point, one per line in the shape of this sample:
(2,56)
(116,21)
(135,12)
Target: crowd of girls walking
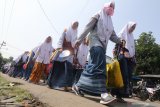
(78,64)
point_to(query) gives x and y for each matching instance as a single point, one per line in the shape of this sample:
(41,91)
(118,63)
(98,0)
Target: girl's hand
(77,44)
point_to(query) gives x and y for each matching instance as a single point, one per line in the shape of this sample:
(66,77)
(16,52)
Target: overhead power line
(11,46)
(83,9)
(45,14)
(3,18)
(10,18)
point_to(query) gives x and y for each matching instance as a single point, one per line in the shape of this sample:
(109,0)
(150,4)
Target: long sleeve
(60,42)
(52,49)
(37,52)
(114,38)
(90,26)
(73,41)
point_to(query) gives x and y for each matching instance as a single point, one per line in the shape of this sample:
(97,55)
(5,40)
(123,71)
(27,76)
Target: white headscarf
(82,54)
(128,37)
(71,35)
(47,45)
(23,56)
(105,26)
(44,52)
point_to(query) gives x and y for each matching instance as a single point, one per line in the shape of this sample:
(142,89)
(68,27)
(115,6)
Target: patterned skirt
(37,72)
(93,78)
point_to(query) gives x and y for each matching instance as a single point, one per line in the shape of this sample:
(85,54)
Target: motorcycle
(154,93)
(140,90)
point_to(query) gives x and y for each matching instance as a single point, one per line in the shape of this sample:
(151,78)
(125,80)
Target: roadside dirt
(54,98)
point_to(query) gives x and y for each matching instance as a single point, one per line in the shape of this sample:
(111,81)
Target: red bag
(49,67)
(24,66)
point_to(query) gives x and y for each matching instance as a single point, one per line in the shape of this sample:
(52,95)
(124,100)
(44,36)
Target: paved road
(56,98)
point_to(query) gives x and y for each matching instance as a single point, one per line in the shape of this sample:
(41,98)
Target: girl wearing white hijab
(20,61)
(82,53)
(126,60)
(127,35)
(30,63)
(100,30)
(61,75)
(42,59)
(68,38)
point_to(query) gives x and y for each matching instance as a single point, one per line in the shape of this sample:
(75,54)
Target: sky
(23,25)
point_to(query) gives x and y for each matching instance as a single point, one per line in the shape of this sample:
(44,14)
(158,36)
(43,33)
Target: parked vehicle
(154,93)
(148,87)
(140,90)
(6,67)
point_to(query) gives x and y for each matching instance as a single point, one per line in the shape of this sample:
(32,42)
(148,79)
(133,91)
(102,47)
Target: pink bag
(49,67)
(25,66)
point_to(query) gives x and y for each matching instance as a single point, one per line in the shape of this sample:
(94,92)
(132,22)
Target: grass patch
(8,91)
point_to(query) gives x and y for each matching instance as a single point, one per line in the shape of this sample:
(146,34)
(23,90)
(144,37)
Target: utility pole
(2,44)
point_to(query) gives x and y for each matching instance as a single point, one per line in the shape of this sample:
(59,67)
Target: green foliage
(147,54)
(7,90)
(1,60)
(4,60)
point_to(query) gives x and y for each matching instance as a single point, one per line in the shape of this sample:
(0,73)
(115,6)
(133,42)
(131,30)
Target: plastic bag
(114,76)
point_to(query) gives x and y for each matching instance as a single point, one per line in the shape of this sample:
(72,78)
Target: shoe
(76,90)
(81,93)
(107,100)
(120,100)
(26,79)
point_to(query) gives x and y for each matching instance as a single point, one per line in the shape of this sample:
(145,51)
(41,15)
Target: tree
(10,59)
(4,60)
(147,54)
(1,60)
